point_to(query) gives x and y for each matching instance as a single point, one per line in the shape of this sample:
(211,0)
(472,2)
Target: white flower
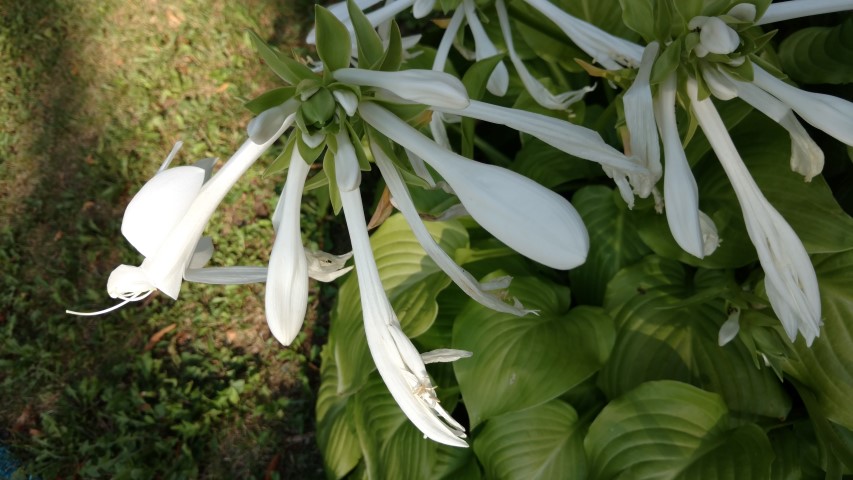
(169,247)
(398,362)
(286,295)
(679,187)
(609,50)
(568,137)
(806,157)
(529,218)
(729,329)
(420,86)
(533,86)
(640,121)
(831,114)
(790,278)
(715,36)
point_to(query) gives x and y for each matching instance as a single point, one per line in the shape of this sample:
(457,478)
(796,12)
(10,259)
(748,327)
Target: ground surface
(93,94)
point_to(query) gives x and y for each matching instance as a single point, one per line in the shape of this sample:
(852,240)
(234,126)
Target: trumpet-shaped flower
(790,279)
(531,219)
(287,281)
(398,362)
(609,50)
(169,247)
(679,187)
(715,36)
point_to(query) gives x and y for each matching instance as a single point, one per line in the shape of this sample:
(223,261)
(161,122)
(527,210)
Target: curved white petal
(679,187)
(533,86)
(790,278)
(459,275)
(640,120)
(325,267)
(568,137)
(609,50)
(831,114)
(443,49)
(202,254)
(498,82)
(528,217)
(743,11)
(428,87)
(443,355)
(238,275)
(780,11)
(729,329)
(348,178)
(159,206)
(286,295)
(412,390)
(347,100)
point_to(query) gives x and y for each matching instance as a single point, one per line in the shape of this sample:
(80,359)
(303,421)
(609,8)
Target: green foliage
(819,54)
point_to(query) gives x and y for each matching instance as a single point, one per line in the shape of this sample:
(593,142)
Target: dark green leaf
(269,99)
(334,45)
(393,57)
(819,54)
(614,242)
(287,68)
(524,362)
(674,431)
(543,442)
(370,49)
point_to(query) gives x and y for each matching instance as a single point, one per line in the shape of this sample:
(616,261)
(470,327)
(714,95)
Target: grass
(94,95)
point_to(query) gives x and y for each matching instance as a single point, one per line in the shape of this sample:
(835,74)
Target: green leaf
(667,328)
(613,239)
(336,434)
(671,430)
(394,448)
(638,15)
(542,442)
(282,162)
(393,57)
(819,54)
(285,67)
(667,62)
(334,45)
(370,49)
(269,99)
(524,362)
(827,367)
(412,281)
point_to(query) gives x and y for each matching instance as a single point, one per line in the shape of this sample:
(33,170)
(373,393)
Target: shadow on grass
(90,396)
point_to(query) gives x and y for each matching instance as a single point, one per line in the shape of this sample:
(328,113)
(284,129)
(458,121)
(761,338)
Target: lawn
(94,95)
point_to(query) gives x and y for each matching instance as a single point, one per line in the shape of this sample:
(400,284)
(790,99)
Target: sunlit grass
(94,96)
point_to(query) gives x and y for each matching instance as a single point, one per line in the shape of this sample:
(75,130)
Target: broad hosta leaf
(613,239)
(412,281)
(819,54)
(543,442)
(336,434)
(796,452)
(671,430)
(523,362)
(827,367)
(668,329)
(394,448)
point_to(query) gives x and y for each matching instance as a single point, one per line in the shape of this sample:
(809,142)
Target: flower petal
(159,206)
(428,87)
(679,187)
(790,278)
(831,114)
